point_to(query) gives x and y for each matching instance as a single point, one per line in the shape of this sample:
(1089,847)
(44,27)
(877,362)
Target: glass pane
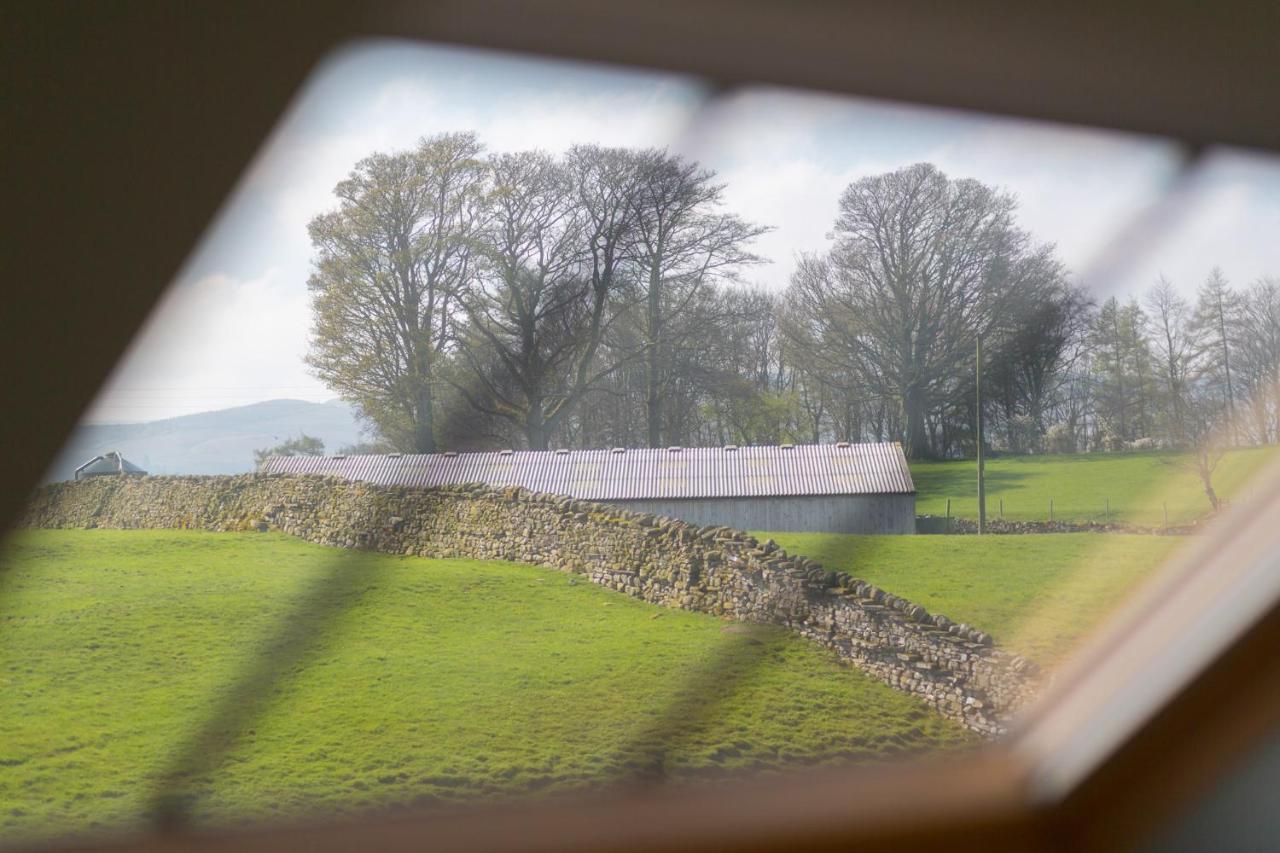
(725,346)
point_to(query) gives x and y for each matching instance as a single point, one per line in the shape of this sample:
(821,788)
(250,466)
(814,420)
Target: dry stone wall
(954,668)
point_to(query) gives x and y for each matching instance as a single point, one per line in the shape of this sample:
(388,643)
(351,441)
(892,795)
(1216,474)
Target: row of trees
(466,300)
(503,290)
(1171,371)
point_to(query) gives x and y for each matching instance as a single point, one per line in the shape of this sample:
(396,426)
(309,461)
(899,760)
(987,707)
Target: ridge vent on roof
(451,453)
(395,455)
(842,444)
(731,447)
(787,446)
(619,450)
(339,456)
(506,452)
(674,449)
(562,451)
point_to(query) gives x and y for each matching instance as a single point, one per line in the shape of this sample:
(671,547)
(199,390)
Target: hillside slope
(220,442)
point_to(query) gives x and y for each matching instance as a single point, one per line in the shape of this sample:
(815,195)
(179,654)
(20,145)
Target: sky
(233,326)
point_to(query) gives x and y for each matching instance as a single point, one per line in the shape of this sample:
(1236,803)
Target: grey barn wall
(806,513)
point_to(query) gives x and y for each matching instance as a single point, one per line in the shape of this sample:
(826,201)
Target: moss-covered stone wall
(956,669)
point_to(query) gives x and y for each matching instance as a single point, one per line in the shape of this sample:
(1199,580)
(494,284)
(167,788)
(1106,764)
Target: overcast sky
(233,327)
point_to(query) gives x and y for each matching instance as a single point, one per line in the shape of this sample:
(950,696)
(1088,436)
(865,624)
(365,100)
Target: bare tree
(921,266)
(1031,348)
(1215,317)
(1169,325)
(555,247)
(389,263)
(1258,356)
(685,242)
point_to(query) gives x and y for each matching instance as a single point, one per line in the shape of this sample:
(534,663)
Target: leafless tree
(557,245)
(1258,356)
(389,262)
(921,266)
(1216,316)
(685,243)
(1169,326)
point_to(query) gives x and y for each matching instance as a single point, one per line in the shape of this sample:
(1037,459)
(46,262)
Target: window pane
(651,423)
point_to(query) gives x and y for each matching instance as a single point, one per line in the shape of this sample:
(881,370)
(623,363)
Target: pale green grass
(1036,594)
(408,681)
(1138,485)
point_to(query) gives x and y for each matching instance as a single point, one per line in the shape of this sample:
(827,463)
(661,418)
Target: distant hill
(220,442)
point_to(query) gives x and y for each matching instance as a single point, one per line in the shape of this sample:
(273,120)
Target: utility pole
(982,477)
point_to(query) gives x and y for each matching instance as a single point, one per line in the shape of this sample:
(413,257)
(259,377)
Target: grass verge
(389,680)
(1037,594)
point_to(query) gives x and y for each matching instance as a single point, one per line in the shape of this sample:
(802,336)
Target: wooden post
(948,515)
(1002,509)
(982,479)
(1107,516)
(1051,510)
(1166,516)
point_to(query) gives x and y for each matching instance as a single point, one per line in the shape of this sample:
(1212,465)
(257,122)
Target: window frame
(118,79)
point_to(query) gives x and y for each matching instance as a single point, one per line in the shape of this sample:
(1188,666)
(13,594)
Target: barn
(838,488)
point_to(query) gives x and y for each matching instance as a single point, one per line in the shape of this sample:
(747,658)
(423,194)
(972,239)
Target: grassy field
(385,680)
(1137,484)
(1036,594)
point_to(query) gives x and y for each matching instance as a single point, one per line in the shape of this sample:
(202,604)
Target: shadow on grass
(299,634)
(310,619)
(698,700)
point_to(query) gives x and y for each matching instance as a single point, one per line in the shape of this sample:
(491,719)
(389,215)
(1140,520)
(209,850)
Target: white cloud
(1076,188)
(1227,215)
(210,344)
(234,329)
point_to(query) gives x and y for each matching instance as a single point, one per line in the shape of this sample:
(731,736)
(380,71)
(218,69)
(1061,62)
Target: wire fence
(959,513)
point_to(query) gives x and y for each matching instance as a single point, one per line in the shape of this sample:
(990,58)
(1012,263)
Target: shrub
(1060,438)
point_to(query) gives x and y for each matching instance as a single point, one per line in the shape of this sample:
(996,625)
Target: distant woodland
(467,300)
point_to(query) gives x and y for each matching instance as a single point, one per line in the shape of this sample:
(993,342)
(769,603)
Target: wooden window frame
(113,98)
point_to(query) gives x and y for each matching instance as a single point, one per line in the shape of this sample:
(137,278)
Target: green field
(1138,485)
(349,680)
(1036,594)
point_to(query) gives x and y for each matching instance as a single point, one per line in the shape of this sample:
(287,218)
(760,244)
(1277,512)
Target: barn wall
(819,514)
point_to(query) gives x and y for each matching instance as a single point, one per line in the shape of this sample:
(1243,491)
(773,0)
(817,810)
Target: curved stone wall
(954,668)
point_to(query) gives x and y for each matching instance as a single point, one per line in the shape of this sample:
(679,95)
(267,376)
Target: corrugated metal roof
(637,474)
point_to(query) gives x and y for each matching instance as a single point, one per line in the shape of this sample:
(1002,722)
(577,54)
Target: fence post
(1166,516)
(1051,510)
(1107,517)
(1002,509)
(948,515)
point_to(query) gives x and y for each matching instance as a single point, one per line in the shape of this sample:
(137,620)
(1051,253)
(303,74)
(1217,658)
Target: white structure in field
(838,488)
(110,464)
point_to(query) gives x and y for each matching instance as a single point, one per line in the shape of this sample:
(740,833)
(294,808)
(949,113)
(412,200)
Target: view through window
(653,419)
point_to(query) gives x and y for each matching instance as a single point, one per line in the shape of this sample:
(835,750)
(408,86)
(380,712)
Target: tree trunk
(1226,364)
(917,430)
(535,426)
(653,358)
(1207,479)
(424,439)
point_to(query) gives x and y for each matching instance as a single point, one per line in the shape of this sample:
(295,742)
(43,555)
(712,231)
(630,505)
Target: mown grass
(385,680)
(1035,594)
(1138,485)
